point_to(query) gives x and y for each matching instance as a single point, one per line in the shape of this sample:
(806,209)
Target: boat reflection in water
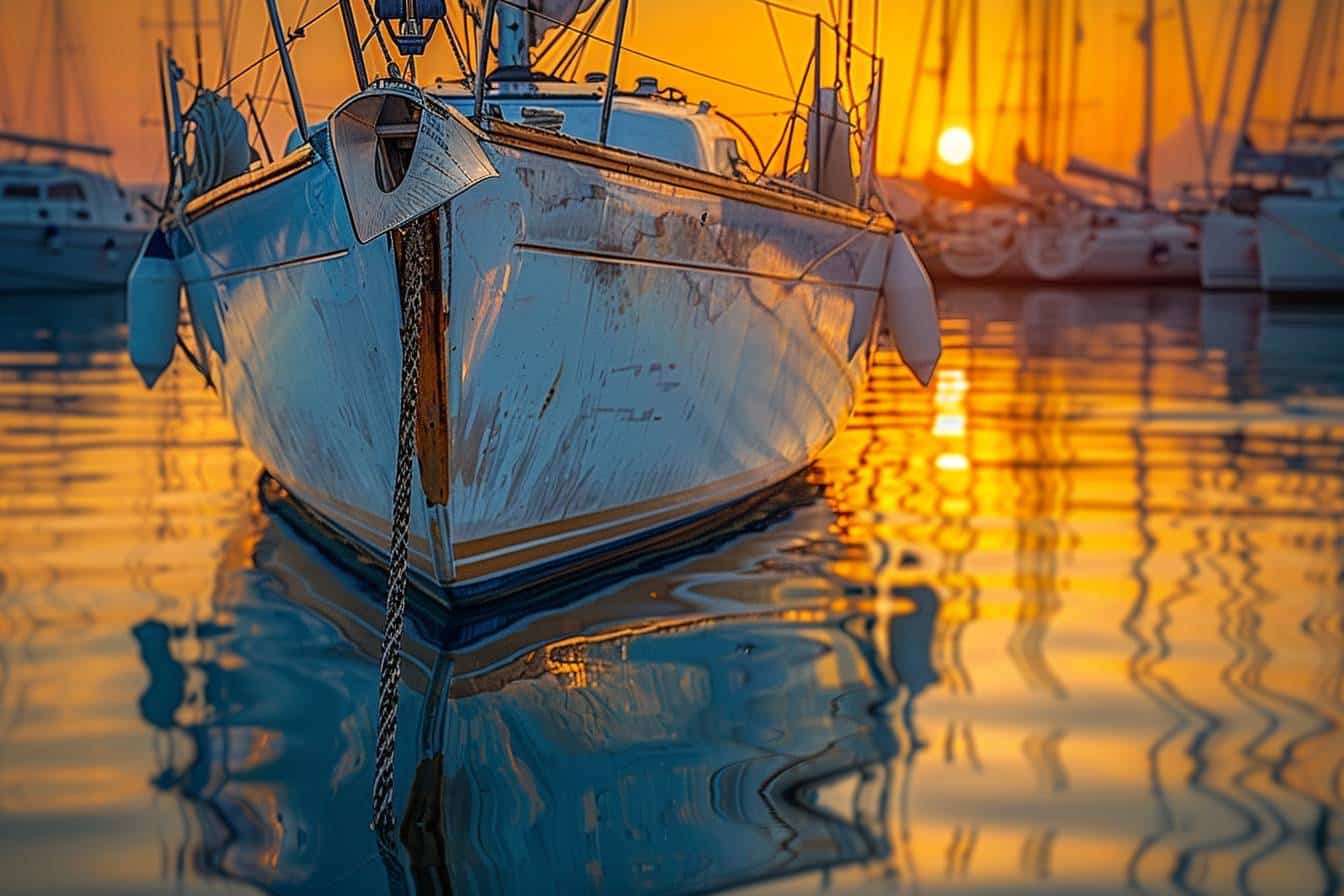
(1067,622)
(720,722)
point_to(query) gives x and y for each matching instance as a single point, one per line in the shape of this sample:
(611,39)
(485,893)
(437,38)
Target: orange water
(1067,621)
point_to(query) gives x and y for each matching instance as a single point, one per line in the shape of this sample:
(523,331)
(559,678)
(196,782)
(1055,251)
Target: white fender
(912,311)
(151,307)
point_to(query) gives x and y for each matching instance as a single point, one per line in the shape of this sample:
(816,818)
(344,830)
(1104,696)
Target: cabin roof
(17,169)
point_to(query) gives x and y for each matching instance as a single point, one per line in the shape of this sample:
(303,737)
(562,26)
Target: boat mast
(1075,50)
(1196,96)
(1149,75)
(944,68)
(1224,98)
(1306,78)
(58,68)
(1043,85)
(613,68)
(975,68)
(514,38)
(287,64)
(1023,104)
(1262,53)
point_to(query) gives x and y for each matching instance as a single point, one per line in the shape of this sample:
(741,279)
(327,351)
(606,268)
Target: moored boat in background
(64,227)
(1301,243)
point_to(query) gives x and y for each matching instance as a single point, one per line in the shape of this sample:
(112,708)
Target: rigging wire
(229,37)
(786,133)
(1332,81)
(728,82)
(1225,98)
(279,71)
(849,48)
(31,93)
(378,33)
(294,35)
(261,70)
(1196,95)
(779,41)
(559,36)
(1001,108)
(196,39)
(4,89)
(569,60)
(914,83)
(829,24)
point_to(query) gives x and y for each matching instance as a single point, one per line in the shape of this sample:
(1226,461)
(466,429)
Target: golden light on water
(1085,582)
(956,146)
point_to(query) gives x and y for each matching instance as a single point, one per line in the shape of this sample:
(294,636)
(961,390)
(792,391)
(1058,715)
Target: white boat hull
(1139,252)
(622,352)
(1229,256)
(38,258)
(1301,241)
(1142,252)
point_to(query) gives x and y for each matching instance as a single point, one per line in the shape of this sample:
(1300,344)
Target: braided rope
(415,264)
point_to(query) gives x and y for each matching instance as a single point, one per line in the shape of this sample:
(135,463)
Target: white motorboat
(1282,227)
(1301,243)
(624,328)
(1301,234)
(1113,247)
(64,227)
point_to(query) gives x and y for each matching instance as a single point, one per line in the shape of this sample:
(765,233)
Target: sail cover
(549,12)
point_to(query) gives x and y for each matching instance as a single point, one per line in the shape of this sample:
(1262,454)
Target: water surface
(1067,621)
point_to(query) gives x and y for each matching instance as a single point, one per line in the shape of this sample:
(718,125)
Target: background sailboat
(1048,227)
(63,226)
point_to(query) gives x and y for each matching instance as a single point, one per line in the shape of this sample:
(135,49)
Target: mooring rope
(414,266)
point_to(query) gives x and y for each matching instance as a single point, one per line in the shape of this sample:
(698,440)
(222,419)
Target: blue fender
(152,296)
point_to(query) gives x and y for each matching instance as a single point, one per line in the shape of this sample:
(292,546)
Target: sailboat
(1300,228)
(545,323)
(1053,230)
(1080,240)
(1281,225)
(63,226)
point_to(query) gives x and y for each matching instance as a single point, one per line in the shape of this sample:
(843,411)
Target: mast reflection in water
(1067,621)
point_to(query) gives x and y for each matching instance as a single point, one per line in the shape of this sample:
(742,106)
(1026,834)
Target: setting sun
(955,146)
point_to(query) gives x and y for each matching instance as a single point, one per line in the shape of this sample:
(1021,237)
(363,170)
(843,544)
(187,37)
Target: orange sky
(115,68)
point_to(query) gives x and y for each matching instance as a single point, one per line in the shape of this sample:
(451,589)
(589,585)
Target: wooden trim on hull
(246,184)
(588,569)
(555,550)
(622,161)
(556,542)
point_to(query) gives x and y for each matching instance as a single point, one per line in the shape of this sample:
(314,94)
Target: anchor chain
(415,263)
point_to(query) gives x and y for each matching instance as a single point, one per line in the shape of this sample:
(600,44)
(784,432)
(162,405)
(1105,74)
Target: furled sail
(549,12)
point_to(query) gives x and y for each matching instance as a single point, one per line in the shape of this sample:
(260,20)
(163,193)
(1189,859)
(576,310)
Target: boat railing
(30,142)
(815,101)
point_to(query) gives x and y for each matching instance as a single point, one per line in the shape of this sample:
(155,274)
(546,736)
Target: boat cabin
(54,193)
(652,122)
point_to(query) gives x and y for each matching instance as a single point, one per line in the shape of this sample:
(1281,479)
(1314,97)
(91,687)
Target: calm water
(1068,621)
